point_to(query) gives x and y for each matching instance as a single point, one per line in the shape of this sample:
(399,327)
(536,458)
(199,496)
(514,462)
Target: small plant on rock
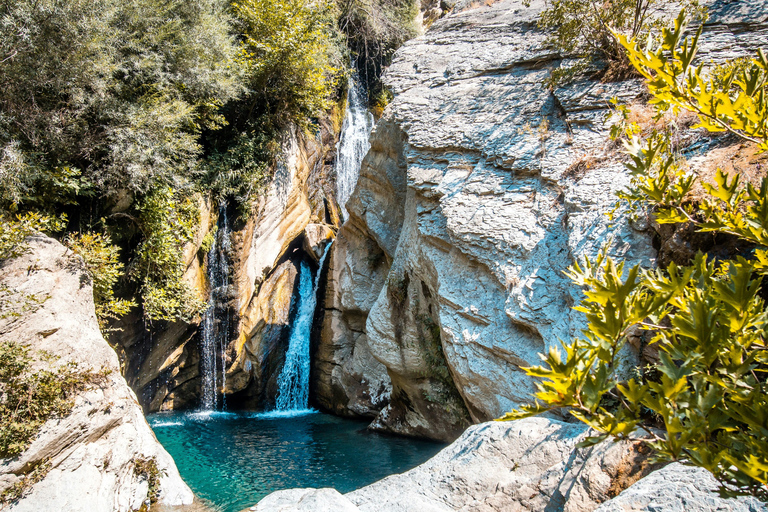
(588,30)
(102,261)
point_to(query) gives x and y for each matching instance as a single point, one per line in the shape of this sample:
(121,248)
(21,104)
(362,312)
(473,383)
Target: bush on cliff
(705,401)
(587,30)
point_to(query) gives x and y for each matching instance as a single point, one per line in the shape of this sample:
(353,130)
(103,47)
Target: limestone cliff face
(94,450)
(295,219)
(480,189)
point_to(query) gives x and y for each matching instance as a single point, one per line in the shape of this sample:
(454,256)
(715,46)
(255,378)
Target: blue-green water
(232,460)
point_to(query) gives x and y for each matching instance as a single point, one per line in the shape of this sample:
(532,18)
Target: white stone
(91,451)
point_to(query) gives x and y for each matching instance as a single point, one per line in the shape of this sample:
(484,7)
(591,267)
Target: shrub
(14,230)
(29,398)
(117,89)
(587,30)
(146,468)
(288,52)
(707,393)
(103,263)
(168,221)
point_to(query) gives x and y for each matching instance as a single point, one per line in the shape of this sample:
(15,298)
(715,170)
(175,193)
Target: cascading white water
(215,330)
(293,381)
(353,143)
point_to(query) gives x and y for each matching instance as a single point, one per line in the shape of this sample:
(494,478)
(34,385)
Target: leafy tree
(116,89)
(167,220)
(374,30)
(290,54)
(705,401)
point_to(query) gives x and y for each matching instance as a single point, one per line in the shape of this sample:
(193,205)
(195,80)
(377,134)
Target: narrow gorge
(405,261)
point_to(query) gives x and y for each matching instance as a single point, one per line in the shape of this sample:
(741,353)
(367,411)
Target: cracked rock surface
(481,187)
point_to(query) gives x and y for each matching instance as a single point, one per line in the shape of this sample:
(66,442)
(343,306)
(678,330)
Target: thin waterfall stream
(215,328)
(353,144)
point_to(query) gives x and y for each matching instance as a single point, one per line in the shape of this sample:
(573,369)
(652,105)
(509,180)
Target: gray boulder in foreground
(527,465)
(92,451)
(678,488)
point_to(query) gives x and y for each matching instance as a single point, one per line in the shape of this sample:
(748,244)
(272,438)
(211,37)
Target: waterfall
(293,381)
(353,143)
(215,329)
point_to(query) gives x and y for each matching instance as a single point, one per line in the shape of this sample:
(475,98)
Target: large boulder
(97,454)
(678,488)
(481,187)
(529,465)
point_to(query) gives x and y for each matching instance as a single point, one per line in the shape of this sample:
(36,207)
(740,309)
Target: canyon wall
(481,187)
(295,218)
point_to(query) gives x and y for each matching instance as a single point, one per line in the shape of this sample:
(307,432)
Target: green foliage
(732,100)
(708,321)
(20,488)
(242,170)
(208,240)
(168,221)
(374,30)
(287,52)
(290,57)
(103,263)
(14,231)
(146,467)
(29,398)
(587,30)
(118,89)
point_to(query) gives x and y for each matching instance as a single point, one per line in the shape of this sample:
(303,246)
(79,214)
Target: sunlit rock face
(481,187)
(93,451)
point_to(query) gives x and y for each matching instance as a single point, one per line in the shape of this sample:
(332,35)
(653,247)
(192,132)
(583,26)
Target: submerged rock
(94,451)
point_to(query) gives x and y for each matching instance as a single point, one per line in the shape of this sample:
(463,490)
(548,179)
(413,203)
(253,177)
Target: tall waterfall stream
(215,330)
(293,381)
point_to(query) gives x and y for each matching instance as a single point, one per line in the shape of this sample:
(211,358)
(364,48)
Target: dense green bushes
(704,401)
(116,90)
